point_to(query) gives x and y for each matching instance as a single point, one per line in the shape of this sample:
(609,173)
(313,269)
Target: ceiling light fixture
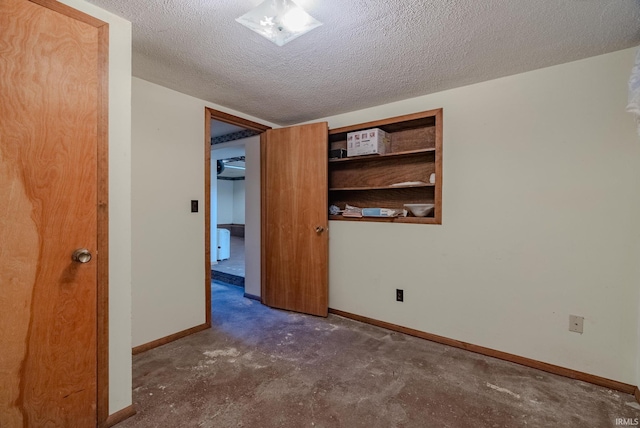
(279,21)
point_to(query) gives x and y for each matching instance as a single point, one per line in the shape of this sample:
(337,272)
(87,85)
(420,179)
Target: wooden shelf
(409,220)
(392,124)
(386,155)
(409,186)
(413,155)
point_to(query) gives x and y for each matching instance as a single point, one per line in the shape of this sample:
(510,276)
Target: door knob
(81,255)
(319,229)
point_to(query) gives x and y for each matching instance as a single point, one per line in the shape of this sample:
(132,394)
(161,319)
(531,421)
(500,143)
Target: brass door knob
(81,255)
(319,229)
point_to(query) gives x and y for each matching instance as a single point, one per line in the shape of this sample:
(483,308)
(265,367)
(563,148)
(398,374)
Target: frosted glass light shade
(279,21)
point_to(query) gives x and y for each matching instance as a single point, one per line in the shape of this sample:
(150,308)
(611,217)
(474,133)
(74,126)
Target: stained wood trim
(636,394)
(238,121)
(119,416)
(377,123)
(167,339)
(365,158)
(235,120)
(408,220)
(528,362)
(70,12)
(103,227)
(207,215)
(407,186)
(430,126)
(438,190)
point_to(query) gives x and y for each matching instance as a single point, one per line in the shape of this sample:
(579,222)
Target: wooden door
(52,124)
(295,218)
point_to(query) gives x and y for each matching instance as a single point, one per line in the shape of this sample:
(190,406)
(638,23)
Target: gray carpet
(259,367)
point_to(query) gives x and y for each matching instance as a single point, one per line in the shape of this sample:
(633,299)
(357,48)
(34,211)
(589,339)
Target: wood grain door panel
(295,255)
(49,87)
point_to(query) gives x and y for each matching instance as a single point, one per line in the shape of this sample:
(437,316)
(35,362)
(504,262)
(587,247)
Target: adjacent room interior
(235,206)
(228,206)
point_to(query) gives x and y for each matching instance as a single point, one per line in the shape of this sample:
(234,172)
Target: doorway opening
(232,203)
(229,204)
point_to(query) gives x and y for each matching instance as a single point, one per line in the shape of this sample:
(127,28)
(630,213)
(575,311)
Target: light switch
(194,205)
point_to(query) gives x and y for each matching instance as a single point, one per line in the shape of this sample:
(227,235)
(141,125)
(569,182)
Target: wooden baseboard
(164,340)
(252,297)
(550,368)
(119,416)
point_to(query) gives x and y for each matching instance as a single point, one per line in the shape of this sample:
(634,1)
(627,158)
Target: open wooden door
(295,219)
(53,214)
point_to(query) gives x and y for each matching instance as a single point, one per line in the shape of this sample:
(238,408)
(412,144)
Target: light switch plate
(576,324)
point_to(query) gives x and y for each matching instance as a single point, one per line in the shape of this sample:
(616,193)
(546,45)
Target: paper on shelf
(409,183)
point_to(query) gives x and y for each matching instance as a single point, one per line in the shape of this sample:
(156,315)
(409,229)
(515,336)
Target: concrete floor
(231,270)
(234,265)
(259,367)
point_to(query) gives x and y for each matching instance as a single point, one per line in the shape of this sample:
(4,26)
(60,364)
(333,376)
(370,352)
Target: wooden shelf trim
(363,181)
(389,121)
(377,157)
(409,186)
(414,220)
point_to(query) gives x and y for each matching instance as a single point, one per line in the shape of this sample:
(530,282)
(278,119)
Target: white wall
(225,201)
(168,241)
(119,203)
(238,201)
(541,219)
(252,217)
(230,201)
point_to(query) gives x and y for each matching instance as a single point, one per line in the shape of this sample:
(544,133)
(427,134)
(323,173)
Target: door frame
(209,115)
(102,167)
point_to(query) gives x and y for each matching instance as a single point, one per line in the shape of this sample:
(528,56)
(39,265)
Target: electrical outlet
(576,324)
(399,295)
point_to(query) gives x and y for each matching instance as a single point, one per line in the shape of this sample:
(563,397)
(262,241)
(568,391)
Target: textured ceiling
(368,52)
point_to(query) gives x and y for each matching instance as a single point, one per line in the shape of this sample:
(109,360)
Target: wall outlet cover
(576,324)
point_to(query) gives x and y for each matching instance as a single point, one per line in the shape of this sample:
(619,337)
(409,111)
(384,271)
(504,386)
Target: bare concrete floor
(259,367)
(234,265)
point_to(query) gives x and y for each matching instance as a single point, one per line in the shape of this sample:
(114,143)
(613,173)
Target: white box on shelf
(367,142)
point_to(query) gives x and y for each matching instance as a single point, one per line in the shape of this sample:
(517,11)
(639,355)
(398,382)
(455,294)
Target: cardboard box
(368,142)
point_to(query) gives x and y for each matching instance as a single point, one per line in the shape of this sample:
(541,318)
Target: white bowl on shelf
(419,210)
